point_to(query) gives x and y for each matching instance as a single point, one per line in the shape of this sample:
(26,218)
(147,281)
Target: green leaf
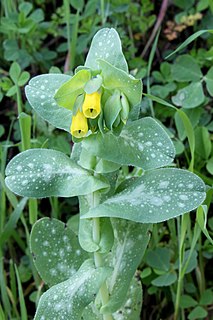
(206,297)
(201,218)
(56,251)
(209,165)
(146,272)
(163,90)
(24,77)
(11,91)
(187,301)
(190,96)
(114,78)
(67,94)
(86,226)
(130,310)
(25,7)
(186,68)
(39,173)
(2,130)
(73,223)
(132,307)
(91,312)
(159,258)
(190,135)
(69,298)
(165,280)
(77,4)
(193,116)
(157,196)
(124,259)
(15,71)
(40,93)
(11,224)
(209,81)
(203,144)
(188,41)
(93,84)
(197,313)
(106,45)
(142,143)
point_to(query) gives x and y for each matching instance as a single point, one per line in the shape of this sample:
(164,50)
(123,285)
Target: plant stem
(102,12)
(104,294)
(181,237)
(19,100)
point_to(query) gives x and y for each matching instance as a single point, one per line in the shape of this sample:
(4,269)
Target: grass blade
(188,41)
(21,296)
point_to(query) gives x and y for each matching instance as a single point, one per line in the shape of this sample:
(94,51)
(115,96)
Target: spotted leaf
(143,143)
(131,240)
(157,196)
(40,93)
(56,251)
(68,299)
(130,310)
(106,45)
(42,173)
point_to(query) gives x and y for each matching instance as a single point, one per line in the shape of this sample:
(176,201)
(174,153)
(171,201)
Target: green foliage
(40,92)
(142,143)
(70,297)
(104,42)
(52,245)
(116,170)
(42,173)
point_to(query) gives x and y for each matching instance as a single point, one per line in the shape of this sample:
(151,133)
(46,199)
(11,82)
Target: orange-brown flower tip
(92,105)
(79,126)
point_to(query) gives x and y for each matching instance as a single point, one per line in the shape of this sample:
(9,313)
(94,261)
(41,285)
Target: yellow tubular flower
(92,105)
(79,126)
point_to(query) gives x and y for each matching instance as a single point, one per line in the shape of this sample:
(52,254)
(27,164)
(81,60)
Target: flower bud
(112,109)
(125,108)
(79,126)
(92,105)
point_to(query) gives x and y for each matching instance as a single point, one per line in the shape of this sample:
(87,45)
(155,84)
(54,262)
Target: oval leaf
(114,78)
(40,93)
(165,280)
(56,251)
(42,173)
(106,45)
(157,196)
(126,255)
(185,68)
(68,299)
(143,143)
(70,90)
(189,97)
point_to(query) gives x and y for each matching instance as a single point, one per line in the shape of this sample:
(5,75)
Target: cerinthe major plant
(90,269)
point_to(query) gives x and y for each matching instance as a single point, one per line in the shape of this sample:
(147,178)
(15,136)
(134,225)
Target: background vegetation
(49,36)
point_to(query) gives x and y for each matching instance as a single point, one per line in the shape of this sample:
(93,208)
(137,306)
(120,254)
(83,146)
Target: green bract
(90,263)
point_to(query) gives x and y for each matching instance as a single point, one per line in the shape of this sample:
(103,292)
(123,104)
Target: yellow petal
(92,105)
(79,126)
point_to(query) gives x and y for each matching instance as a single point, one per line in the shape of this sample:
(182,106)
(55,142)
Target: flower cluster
(91,109)
(114,108)
(102,92)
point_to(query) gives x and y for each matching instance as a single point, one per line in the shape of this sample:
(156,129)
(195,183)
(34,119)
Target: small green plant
(89,263)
